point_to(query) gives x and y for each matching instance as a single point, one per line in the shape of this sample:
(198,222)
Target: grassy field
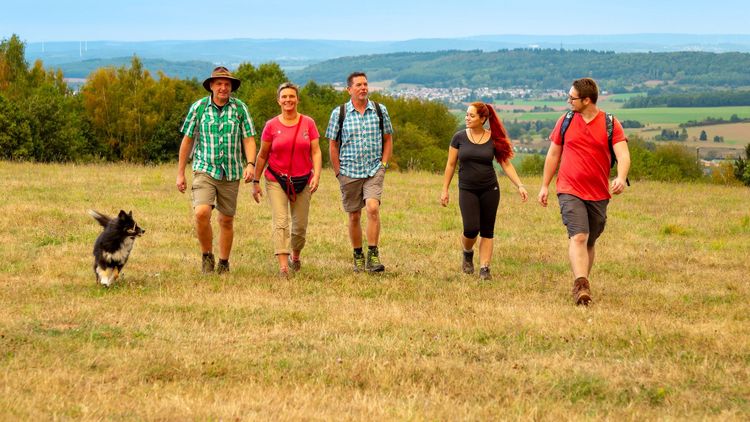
(668,335)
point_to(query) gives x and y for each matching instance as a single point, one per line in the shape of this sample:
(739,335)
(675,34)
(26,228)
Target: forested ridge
(542,69)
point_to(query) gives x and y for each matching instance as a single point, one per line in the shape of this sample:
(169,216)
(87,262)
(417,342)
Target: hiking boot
(223,266)
(359,262)
(208,263)
(294,264)
(581,291)
(484,274)
(468,262)
(373,261)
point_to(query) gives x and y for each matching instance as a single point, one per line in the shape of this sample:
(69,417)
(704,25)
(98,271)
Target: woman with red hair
(478,190)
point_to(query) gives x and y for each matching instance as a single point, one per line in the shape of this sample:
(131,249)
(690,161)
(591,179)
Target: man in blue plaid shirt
(222,128)
(359,152)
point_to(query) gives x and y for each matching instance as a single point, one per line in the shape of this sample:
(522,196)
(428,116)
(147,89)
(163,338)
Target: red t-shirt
(585,161)
(280,137)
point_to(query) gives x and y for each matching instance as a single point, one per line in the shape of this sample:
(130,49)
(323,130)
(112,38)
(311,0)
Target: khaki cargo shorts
(220,194)
(354,192)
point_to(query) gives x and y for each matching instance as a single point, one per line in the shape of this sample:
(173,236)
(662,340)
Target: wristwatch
(385,164)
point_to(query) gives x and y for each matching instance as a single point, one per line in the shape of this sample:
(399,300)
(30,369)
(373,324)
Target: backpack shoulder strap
(565,124)
(610,127)
(198,116)
(610,131)
(610,134)
(380,119)
(342,115)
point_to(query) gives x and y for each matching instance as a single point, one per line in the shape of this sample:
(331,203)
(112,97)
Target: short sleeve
(312,129)
(456,141)
(618,134)
(332,130)
(267,134)
(387,125)
(188,126)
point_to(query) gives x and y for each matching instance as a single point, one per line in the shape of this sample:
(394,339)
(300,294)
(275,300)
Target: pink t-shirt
(280,137)
(584,166)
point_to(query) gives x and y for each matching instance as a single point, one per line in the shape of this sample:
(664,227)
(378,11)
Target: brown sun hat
(221,72)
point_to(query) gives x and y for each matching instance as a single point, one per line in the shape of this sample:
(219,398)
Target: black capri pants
(478,211)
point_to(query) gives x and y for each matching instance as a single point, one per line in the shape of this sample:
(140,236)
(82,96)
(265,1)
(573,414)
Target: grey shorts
(581,216)
(221,194)
(354,192)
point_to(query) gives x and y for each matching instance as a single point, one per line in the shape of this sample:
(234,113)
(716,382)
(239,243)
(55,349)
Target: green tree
(703,136)
(13,66)
(15,132)
(531,165)
(742,167)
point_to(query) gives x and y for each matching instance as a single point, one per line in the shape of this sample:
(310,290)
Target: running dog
(113,246)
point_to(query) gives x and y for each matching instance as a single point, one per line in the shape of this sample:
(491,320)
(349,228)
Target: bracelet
(251,163)
(256,181)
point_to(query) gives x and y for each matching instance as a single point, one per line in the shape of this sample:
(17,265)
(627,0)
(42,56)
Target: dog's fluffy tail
(101,218)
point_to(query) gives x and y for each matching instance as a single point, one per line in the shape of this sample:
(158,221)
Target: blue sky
(141,20)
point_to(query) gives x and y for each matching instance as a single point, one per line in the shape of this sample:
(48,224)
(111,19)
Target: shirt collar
(350,106)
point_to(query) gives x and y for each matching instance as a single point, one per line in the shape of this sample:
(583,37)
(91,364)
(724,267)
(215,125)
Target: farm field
(667,337)
(651,116)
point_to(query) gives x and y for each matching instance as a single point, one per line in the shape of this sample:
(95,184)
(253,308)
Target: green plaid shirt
(218,152)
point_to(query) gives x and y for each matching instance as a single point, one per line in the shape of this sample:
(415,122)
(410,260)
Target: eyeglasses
(573,98)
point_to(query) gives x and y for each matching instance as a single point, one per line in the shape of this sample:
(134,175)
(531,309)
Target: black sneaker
(373,261)
(207,266)
(359,262)
(468,262)
(484,274)
(222,267)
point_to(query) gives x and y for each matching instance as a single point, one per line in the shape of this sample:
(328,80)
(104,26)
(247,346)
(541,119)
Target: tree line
(719,98)
(543,68)
(125,114)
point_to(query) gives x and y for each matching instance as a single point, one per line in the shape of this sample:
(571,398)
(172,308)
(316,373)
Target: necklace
(471,138)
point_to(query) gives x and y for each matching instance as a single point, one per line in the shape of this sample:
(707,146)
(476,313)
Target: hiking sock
(357,251)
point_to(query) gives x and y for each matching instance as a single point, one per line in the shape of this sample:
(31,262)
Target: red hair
(498,134)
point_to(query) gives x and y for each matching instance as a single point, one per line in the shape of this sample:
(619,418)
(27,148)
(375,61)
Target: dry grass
(668,336)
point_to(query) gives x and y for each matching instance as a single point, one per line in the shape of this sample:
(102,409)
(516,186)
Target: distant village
(459,96)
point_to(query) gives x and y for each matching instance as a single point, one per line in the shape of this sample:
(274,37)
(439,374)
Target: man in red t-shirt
(583,188)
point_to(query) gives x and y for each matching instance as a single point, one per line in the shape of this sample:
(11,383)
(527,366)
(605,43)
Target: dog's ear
(130,214)
(122,215)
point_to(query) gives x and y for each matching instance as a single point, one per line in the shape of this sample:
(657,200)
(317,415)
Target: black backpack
(610,132)
(342,116)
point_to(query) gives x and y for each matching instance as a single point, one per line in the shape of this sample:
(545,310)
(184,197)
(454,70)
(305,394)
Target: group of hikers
(218,129)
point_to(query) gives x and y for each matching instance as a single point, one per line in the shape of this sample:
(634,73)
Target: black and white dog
(113,246)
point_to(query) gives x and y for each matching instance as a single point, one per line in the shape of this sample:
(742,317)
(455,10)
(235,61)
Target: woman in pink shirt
(290,148)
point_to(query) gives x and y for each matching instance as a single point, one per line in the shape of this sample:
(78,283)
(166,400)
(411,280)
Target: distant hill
(536,68)
(297,53)
(180,70)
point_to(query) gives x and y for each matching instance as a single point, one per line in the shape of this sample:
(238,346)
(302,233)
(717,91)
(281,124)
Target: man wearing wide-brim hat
(221,128)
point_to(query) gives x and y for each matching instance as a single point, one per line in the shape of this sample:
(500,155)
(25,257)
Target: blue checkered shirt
(361,149)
